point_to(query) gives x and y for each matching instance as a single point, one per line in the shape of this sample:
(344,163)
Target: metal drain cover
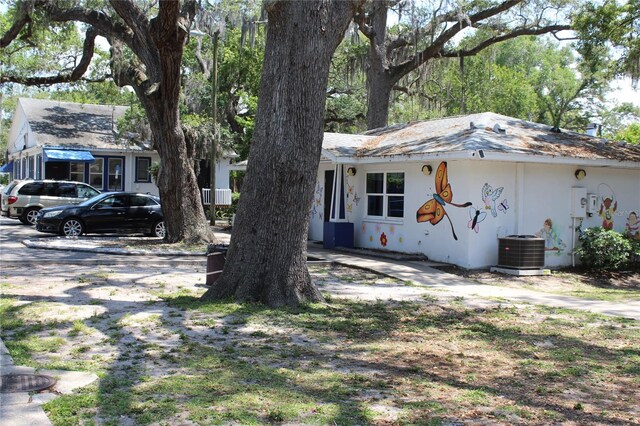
(10,383)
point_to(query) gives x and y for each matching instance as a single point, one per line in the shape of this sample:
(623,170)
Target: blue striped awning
(67,155)
(7,168)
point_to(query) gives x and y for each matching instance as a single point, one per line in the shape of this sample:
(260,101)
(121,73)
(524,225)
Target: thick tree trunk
(379,93)
(181,203)
(266,261)
(177,181)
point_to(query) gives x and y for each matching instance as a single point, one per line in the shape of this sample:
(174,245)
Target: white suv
(24,199)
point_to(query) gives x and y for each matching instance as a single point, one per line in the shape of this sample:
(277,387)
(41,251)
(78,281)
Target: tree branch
(497,39)
(75,75)
(22,20)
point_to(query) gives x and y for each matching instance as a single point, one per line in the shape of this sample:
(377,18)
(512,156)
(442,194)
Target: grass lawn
(164,357)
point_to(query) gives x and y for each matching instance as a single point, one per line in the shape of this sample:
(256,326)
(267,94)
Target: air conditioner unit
(521,252)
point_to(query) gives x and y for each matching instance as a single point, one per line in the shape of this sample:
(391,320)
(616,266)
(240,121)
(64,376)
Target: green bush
(634,257)
(604,249)
(226,213)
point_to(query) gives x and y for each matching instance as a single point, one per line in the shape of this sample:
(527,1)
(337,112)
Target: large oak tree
(146,53)
(431,34)
(267,259)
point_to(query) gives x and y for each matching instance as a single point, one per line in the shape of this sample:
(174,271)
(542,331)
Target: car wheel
(158,230)
(29,216)
(72,228)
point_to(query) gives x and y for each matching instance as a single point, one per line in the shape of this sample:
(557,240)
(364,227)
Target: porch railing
(223,197)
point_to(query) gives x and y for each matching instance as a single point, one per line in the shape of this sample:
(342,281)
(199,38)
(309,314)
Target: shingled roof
(74,125)
(489,132)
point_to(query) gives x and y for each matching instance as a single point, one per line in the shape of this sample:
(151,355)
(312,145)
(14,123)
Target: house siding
(526,194)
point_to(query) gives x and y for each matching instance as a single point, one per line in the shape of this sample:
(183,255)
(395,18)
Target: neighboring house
(450,188)
(71,141)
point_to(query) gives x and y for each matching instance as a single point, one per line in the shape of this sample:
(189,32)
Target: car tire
(29,216)
(158,230)
(72,228)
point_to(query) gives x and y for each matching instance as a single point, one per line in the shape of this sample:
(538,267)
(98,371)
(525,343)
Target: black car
(121,212)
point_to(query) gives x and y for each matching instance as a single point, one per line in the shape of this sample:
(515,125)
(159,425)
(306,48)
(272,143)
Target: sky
(625,93)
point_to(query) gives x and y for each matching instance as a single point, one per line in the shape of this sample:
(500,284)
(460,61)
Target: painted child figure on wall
(632,228)
(552,241)
(607,211)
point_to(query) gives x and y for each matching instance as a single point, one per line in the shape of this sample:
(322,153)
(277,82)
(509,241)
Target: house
(452,188)
(72,141)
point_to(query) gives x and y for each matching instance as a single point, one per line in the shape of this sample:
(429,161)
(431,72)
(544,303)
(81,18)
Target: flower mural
(383,239)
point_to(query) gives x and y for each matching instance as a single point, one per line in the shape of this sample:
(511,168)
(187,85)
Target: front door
(328,190)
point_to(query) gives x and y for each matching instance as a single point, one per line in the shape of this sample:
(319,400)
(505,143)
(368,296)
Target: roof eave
(484,155)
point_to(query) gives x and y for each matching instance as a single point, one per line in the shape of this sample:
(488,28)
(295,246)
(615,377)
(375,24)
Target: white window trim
(385,218)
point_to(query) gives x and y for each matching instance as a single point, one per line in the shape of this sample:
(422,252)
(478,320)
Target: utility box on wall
(578,202)
(592,204)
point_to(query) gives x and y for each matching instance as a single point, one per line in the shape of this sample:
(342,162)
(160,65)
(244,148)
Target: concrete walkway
(444,285)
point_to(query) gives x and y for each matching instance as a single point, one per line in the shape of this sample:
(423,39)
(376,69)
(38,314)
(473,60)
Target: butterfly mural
(476,216)
(489,196)
(433,210)
(503,206)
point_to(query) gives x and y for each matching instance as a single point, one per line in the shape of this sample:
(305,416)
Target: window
(35,188)
(23,169)
(142,169)
(66,189)
(32,167)
(141,201)
(115,174)
(39,166)
(114,201)
(76,172)
(95,173)
(385,194)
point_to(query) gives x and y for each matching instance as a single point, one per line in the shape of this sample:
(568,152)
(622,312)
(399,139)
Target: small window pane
(76,171)
(395,183)
(375,183)
(396,206)
(374,205)
(142,170)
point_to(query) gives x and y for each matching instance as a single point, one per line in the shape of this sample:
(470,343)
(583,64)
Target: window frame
(137,169)
(385,196)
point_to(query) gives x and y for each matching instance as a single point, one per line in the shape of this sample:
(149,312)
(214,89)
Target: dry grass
(164,357)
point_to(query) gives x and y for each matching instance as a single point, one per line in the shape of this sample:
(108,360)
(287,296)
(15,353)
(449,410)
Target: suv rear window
(9,188)
(33,188)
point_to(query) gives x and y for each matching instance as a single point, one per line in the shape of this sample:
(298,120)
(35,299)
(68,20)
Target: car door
(108,215)
(143,212)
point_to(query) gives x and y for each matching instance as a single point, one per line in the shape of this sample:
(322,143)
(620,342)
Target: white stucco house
(452,188)
(71,141)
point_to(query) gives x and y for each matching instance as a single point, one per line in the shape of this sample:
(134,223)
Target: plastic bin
(216,256)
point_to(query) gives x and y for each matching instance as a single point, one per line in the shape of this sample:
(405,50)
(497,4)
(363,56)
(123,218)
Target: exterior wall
(508,198)
(222,173)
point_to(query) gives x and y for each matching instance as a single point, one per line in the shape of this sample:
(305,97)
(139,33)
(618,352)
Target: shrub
(604,249)
(227,212)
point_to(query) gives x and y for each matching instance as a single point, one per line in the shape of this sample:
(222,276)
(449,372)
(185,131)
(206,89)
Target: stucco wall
(518,200)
